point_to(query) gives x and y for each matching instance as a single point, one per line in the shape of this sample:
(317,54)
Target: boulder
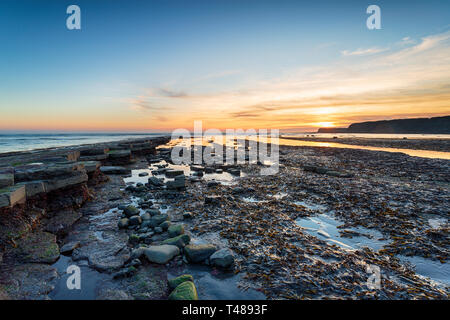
(223,258)
(153,212)
(175,282)
(165,225)
(158,219)
(158,230)
(180,241)
(130,211)
(123,223)
(135,220)
(146,216)
(161,254)
(185,291)
(197,253)
(175,230)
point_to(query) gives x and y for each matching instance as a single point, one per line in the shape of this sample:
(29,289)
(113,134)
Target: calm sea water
(30,141)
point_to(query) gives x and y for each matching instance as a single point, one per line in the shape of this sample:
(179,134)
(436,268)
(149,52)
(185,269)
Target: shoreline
(441,145)
(353,196)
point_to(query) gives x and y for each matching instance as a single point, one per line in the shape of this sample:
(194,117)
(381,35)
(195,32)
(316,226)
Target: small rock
(211,184)
(153,212)
(173,173)
(165,225)
(131,211)
(175,230)
(187,215)
(133,239)
(158,230)
(146,216)
(135,220)
(137,253)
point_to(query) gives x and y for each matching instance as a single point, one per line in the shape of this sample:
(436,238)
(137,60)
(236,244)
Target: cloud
(363,52)
(171,93)
(221,74)
(406,41)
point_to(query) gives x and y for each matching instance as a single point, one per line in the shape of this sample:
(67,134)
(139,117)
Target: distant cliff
(437,125)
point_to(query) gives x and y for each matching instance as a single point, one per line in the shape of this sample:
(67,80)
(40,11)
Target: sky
(161,65)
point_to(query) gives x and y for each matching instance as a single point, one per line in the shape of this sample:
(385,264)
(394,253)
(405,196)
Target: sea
(30,141)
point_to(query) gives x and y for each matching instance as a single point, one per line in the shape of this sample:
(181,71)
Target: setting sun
(324,124)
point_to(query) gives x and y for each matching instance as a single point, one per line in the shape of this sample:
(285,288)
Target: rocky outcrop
(50,185)
(437,125)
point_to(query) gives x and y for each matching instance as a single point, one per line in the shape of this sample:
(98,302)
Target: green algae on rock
(184,291)
(175,282)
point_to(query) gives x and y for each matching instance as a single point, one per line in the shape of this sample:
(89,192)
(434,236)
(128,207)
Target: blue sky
(142,65)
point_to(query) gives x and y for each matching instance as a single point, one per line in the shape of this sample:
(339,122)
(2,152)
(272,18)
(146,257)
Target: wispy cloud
(363,52)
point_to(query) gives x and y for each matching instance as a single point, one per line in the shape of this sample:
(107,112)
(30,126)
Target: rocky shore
(141,227)
(442,145)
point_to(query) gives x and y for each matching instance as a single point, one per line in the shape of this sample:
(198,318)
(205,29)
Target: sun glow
(324,124)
